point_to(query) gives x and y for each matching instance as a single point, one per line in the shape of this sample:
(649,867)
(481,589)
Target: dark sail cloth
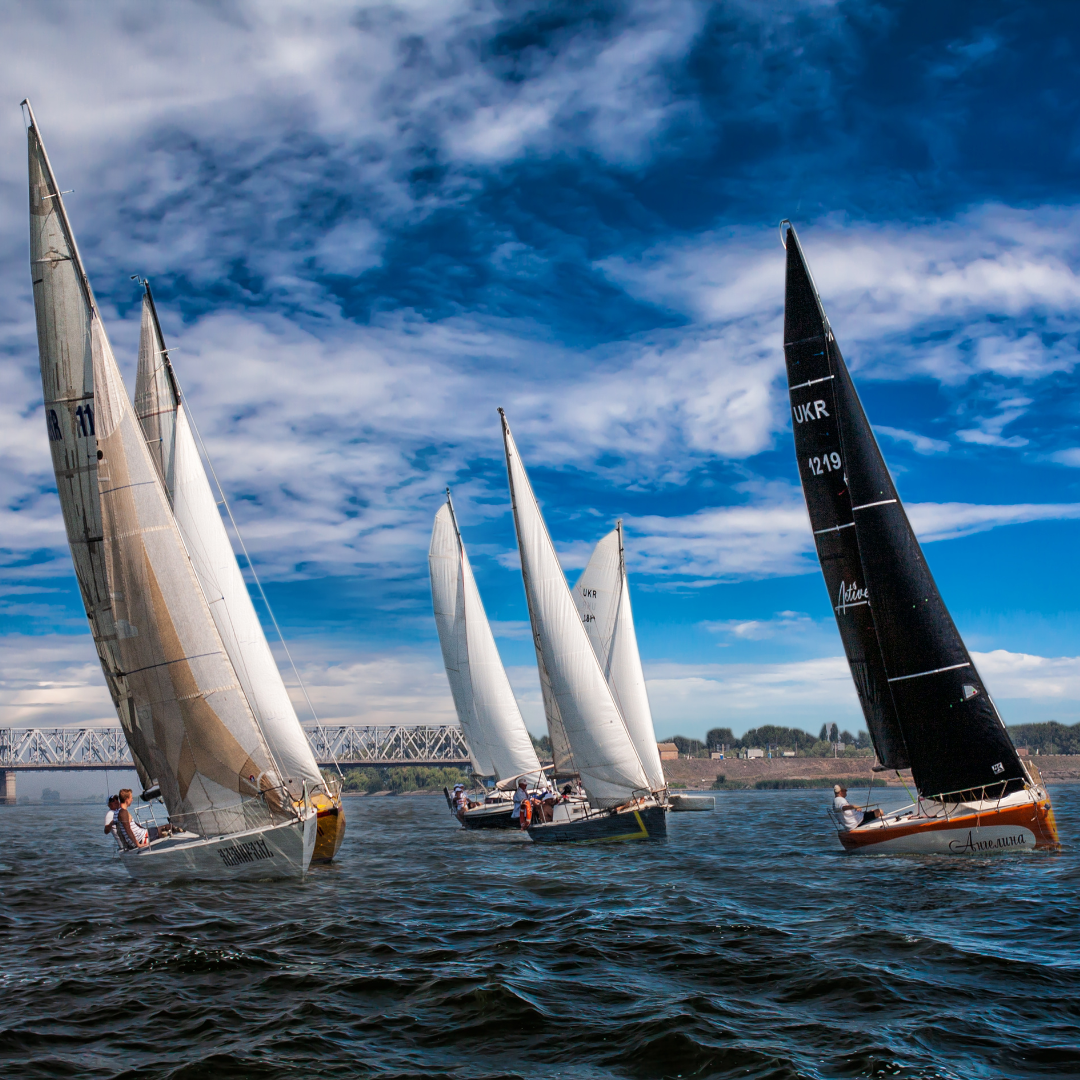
(924,702)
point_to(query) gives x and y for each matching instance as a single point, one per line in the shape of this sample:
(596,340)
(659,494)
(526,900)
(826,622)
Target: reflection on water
(747,945)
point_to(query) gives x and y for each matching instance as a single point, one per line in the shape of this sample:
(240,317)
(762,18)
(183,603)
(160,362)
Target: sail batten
(495,732)
(892,618)
(602,751)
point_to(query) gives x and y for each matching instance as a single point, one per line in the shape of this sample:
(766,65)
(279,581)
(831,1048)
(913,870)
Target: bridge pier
(7,787)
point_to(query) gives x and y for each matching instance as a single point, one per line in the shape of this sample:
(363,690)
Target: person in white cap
(844,810)
(520,796)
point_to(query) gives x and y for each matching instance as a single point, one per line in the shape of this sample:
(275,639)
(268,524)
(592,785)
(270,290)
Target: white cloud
(782,624)
(921,444)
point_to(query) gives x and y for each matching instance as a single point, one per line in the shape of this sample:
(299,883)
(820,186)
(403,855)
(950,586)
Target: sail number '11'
(825,463)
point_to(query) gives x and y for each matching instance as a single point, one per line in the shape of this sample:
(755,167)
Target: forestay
(602,596)
(602,751)
(485,703)
(169,437)
(954,737)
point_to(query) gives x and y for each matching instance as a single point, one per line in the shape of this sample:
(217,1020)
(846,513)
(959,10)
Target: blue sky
(367,226)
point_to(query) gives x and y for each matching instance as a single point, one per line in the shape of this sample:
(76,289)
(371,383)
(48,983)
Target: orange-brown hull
(1026,826)
(330,829)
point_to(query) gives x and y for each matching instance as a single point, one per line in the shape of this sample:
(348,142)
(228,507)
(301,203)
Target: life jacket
(525,818)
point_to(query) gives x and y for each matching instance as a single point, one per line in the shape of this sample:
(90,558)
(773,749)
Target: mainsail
(602,752)
(602,596)
(163,415)
(177,696)
(498,739)
(922,696)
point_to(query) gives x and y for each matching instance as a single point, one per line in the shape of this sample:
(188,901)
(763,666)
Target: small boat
(620,803)
(194,738)
(163,414)
(498,741)
(925,704)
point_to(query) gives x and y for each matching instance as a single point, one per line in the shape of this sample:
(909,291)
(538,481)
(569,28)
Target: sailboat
(163,415)
(622,804)
(925,704)
(498,741)
(193,736)
(602,596)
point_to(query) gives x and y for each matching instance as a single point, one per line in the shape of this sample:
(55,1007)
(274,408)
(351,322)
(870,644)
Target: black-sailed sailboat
(925,705)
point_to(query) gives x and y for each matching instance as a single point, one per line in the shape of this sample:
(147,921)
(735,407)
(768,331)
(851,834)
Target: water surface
(746,945)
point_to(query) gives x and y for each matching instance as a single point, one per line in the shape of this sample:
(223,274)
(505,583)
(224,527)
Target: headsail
(954,737)
(602,751)
(169,438)
(176,693)
(498,739)
(602,596)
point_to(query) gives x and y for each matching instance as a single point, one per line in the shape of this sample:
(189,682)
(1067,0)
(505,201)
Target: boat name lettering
(994,844)
(252,851)
(55,434)
(813,410)
(826,463)
(851,596)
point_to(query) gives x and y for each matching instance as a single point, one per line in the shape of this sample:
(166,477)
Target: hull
(329,828)
(490,817)
(281,851)
(1022,822)
(647,823)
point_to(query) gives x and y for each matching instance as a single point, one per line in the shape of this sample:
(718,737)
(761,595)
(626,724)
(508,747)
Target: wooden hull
(330,828)
(648,823)
(1026,824)
(283,851)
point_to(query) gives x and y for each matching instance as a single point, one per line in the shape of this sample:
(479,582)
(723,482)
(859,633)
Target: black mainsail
(924,702)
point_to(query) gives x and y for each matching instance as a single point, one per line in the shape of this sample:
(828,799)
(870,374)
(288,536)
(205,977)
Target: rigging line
(258,583)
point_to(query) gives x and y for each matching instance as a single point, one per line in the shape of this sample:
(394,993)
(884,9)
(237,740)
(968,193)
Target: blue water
(746,945)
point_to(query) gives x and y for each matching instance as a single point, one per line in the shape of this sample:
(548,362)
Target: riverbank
(701,772)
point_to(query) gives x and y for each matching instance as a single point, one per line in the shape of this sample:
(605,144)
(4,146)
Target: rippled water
(747,945)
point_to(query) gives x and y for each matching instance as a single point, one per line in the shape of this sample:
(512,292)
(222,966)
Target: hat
(523,783)
(837,788)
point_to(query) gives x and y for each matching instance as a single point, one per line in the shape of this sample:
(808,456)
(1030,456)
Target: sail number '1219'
(826,463)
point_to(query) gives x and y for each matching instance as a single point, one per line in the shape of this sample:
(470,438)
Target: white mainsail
(602,596)
(498,739)
(603,754)
(163,415)
(177,695)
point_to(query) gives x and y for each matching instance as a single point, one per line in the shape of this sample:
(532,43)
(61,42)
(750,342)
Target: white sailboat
(187,720)
(602,596)
(621,803)
(499,743)
(163,415)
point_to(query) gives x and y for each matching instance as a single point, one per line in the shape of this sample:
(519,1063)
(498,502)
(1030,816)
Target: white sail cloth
(184,714)
(498,740)
(171,442)
(602,596)
(603,754)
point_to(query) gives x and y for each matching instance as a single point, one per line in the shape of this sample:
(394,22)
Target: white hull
(683,803)
(280,851)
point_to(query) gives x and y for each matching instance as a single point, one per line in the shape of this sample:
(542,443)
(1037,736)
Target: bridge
(350,746)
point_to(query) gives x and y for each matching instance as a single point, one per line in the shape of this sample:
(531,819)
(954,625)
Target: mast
(602,751)
(484,700)
(602,597)
(166,426)
(954,738)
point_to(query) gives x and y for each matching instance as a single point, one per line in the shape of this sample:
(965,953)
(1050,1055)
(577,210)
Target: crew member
(131,831)
(521,796)
(847,812)
(110,814)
